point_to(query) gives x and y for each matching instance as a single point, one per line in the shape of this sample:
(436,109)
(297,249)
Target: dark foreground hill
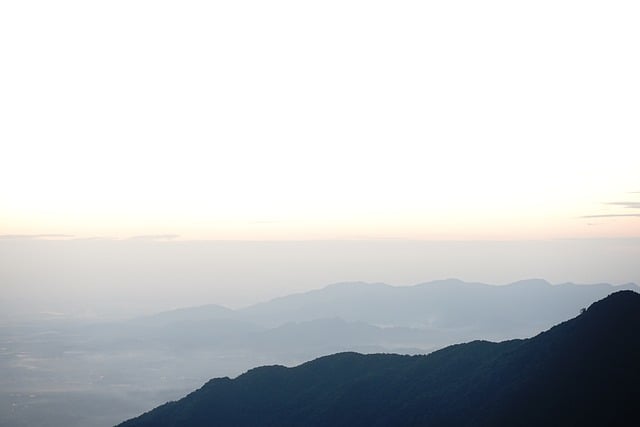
(585,371)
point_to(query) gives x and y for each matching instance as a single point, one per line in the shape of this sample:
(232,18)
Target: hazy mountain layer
(581,372)
(498,312)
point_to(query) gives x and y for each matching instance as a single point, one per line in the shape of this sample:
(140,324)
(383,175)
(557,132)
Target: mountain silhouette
(583,372)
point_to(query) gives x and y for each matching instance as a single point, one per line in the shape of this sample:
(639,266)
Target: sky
(156,154)
(290,120)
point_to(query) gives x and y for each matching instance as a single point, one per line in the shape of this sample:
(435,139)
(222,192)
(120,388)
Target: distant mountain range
(583,372)
(449,311)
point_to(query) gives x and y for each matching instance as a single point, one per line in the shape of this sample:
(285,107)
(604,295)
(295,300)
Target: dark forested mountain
(582,372)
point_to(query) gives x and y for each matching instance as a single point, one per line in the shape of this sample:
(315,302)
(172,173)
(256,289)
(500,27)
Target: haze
(119,278)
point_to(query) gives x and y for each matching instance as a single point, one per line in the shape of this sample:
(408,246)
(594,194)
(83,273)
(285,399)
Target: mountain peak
(623,305)
(531,283)
(356,285)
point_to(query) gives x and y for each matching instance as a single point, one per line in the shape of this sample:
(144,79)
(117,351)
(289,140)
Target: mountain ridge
(223,311)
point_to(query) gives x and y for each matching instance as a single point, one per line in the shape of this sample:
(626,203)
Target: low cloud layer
(611,215)
(630,205)
(625,204)
(34,236)
(155,237)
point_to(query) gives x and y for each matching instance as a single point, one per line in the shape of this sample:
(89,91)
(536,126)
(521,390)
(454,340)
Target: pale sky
(320,120)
